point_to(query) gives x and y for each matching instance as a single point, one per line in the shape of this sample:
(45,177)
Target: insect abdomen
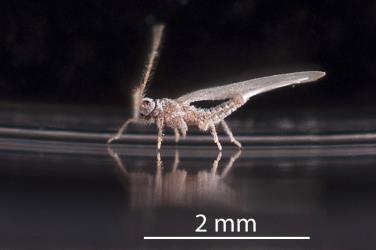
(220,112)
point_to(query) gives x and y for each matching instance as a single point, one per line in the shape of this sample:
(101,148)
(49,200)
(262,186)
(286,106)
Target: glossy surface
(70,192)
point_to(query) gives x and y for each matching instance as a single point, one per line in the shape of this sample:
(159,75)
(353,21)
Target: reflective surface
(63,192)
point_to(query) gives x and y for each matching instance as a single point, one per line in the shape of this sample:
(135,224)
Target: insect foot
(114,138)
(230,135)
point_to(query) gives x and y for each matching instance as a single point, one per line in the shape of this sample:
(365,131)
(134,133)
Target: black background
(92,52)
(62,191)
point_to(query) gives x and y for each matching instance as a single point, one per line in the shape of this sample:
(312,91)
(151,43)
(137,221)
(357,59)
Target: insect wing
(250,88)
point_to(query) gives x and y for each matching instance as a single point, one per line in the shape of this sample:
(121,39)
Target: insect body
(179,116)
(180,113)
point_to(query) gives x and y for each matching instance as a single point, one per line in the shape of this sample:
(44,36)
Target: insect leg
(177,135)
(123,127)
(230,135)
(183,127)
(160,125)
(215,136)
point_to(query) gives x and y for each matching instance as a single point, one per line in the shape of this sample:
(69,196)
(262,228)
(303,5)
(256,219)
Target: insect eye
(145,103)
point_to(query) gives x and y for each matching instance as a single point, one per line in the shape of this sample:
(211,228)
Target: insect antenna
(139,91)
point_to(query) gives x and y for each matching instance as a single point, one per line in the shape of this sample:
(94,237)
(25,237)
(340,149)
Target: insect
(180,113)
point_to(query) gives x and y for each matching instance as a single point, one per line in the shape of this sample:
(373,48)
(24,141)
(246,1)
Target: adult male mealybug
(179,113)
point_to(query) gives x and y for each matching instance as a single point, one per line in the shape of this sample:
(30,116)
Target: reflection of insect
(178,113)
(177,186)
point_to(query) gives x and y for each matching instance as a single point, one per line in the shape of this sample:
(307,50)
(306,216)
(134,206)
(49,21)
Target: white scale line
(227,238)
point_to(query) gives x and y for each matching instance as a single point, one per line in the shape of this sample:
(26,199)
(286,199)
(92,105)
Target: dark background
(62,191)
(92,52)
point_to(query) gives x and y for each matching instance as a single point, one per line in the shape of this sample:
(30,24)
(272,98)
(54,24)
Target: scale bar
(227,238)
